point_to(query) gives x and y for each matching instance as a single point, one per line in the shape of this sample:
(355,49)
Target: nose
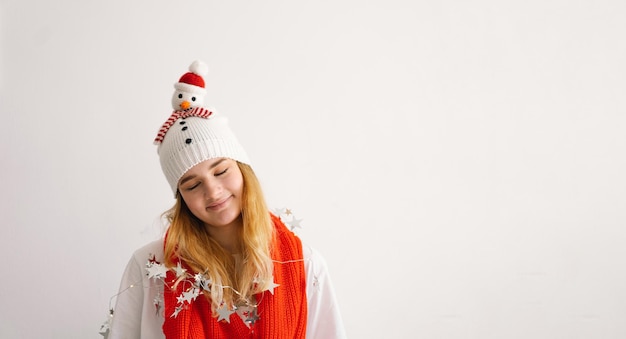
(185,104)
(212,190)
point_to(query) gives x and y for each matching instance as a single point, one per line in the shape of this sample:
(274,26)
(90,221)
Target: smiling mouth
(218,204)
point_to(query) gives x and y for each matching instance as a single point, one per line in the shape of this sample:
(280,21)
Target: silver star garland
(252,317)
(224,313)
(157,271)
(287,217)
(158,303)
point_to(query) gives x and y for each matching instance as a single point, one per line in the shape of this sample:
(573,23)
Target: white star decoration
(104,329)
(190,295)
(279,211)
(224,313)
(158,302)
(199,282)
(156,270)
(316,282)
(253,317)
(179,270)
(176,311)
(202,282)
(273,285)
(287,217)
(294,223)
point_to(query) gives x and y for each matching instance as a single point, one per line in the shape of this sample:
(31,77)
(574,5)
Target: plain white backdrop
(460,164)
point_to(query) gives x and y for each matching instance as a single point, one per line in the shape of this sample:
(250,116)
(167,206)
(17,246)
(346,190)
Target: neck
(227,236)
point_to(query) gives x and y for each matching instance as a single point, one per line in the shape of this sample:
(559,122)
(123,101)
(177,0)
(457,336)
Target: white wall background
(460,164)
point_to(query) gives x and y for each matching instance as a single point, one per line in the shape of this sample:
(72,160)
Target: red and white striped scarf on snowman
(191,112)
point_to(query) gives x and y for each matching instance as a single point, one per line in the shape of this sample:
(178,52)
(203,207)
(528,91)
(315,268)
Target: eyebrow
(189,177)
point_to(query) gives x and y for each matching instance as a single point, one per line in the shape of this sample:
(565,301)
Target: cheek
(191,201)
(236,185)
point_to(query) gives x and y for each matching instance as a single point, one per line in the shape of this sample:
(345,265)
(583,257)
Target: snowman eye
(193,98)
(180,96)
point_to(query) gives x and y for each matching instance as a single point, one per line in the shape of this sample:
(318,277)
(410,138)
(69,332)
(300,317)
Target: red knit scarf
(282,314)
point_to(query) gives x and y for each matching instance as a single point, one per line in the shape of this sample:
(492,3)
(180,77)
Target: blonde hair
(189,241)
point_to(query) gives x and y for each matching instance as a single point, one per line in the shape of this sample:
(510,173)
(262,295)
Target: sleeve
(324,318)
(126,322)
(136,315)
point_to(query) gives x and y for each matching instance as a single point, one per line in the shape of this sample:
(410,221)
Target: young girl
(227,267)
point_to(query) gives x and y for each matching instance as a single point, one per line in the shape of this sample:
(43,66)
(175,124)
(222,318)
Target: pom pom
(199,67)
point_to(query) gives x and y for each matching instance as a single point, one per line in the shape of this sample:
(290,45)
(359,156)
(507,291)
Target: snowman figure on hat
(190,89)
(188,98)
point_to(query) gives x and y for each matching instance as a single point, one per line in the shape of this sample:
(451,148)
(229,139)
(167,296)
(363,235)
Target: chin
(225,220)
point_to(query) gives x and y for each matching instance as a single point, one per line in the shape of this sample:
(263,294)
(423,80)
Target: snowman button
(188,141)
(182,122)
(185,128)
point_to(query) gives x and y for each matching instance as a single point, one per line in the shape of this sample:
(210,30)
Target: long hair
(189,241)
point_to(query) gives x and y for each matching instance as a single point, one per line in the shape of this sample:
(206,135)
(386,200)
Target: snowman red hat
(193,81)
(189,90)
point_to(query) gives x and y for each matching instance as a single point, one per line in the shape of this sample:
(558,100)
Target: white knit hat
(192,140)
(194,135)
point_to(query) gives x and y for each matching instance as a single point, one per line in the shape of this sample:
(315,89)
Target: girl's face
(212,190)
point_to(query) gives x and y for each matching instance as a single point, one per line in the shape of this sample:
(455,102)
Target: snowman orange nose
(185,104)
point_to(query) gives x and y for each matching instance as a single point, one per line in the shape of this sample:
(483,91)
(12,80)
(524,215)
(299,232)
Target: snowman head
(189,90)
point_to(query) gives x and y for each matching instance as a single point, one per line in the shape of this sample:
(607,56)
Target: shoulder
(288,243)
(150,250)
(314,261)
(311,254)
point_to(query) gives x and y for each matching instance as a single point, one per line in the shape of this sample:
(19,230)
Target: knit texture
(192,112)
(282,315)
(192,79)
(188,141)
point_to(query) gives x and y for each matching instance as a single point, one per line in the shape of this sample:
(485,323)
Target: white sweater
(136,315)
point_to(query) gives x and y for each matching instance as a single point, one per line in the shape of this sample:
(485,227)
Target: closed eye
(190,188)
(222,172)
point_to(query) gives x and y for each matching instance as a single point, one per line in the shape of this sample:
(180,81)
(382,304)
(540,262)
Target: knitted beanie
(192,136)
